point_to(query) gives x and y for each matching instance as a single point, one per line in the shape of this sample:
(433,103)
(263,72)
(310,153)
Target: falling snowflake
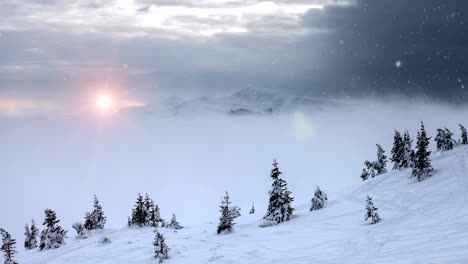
(398,64)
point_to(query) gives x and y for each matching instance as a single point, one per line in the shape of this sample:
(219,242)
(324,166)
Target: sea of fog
(185,163)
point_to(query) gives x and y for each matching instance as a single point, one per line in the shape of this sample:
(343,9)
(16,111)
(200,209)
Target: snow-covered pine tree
(368,171)
(174,224)
(81,231)
(252,210)
(139,212)
(371,211)
(53,236)
(148,206)
(440,139)
(30,241)
(381,163)
(422,167)
(8,247)
(235,211)
(319,200)
(406,160)
(154,215)
(448,139)
(161,250)
(464,137)
(226,221)
(412,158)
(89,223)
(365,174)
(279,206)
(98,215)
(398,151)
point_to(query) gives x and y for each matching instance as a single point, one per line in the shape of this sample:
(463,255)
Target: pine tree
(422,163)
(279,207)
(226,221)
(371,211)
(381,163)
(319,200)
(139,212)
(53,236)
(8,247)
(30,241)
(440,139)
(95,219)
(464,137)
(161,251)
(407,149)
(235,211)
(252,210)
(98,215)
(174,224)
(368,171)
(448,139)
(89,223)
(398,151)
(365,174)
(154,215)
(148,206)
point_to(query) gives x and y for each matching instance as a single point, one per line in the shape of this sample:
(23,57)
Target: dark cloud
(358,54)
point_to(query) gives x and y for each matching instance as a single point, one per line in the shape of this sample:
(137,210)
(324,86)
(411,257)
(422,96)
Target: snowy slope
(424,222)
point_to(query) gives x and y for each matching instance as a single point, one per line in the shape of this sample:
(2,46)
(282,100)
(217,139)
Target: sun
(104,102)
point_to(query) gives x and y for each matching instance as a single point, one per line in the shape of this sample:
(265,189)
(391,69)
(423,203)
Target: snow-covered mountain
(423,222)
(244,102)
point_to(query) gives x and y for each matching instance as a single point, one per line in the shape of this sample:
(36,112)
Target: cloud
(344,48)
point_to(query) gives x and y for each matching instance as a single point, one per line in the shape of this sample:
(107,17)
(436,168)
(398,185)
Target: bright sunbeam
(104,103)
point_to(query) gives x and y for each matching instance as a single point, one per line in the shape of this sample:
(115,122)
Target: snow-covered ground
(423,222)
(185,163)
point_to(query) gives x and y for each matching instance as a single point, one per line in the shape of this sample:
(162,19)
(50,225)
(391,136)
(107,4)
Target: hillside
(423,222)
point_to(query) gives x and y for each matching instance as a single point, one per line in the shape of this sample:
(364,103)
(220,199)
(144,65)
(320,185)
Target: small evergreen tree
(226,221)
(252,210)
(381,163)
(422,167)
(89,223)
(53,236)
(235,211)
(95,219)
(148,206)
(139,212)
(464,137)
(161,251)
(279,207)
(98,215)
(154,215)
(448,139)
(398,151)
(30,242)
(440,139)
(371,211)
(8,247)
(174,224)
(319,200)
(365,174)
(407,149)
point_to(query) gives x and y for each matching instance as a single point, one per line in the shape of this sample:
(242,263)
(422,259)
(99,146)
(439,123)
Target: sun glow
(104,103)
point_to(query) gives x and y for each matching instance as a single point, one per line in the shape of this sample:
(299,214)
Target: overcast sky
(58,53)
